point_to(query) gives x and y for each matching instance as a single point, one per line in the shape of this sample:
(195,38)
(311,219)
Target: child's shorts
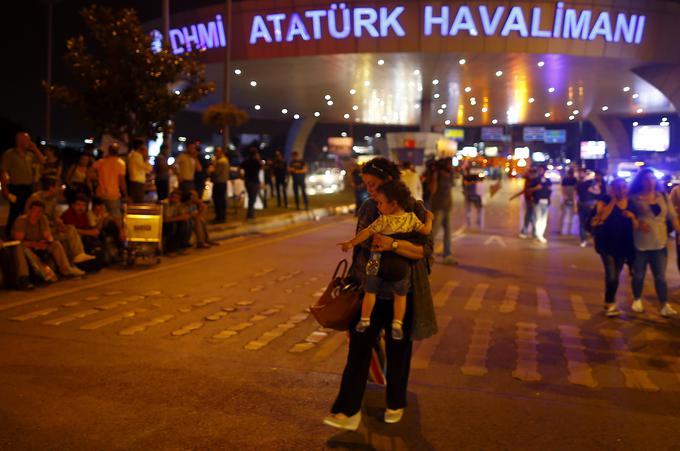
(375,284)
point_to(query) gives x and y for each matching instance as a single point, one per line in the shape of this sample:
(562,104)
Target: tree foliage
(120,85)
(224,115)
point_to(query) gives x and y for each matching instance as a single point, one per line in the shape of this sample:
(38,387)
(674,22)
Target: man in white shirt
(138,168)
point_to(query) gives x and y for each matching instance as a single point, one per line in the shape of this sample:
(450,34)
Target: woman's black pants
(361,344)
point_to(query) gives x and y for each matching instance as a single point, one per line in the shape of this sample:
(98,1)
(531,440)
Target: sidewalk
(274,217)
(320,206)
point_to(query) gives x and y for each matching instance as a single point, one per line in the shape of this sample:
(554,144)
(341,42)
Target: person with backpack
(613,226)
(656,216)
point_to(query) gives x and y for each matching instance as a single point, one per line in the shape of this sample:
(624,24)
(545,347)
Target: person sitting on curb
(176,223)
(33,230)
(197,209)
(66,234)
(111,234)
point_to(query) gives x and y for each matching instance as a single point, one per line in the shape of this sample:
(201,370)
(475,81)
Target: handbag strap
(343,273)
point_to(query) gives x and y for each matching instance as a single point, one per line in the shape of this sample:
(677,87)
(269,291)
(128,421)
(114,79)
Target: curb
(267,224)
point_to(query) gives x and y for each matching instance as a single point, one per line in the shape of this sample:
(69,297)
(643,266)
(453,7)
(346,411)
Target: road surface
(215,350)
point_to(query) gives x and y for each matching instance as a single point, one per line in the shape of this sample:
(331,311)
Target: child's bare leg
(367,305)
(399,312)
(399,307)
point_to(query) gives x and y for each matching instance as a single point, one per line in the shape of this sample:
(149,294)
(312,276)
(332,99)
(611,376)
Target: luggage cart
(143,225)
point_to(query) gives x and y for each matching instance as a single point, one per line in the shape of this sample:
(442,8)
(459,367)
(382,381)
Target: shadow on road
(375,434)
(488,272)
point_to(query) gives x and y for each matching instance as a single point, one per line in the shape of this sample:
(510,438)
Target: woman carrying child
(418,321)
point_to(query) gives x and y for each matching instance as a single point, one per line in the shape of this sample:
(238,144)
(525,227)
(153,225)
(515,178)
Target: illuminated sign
(492,133)
(340,21)
(200,36)
(593,150)
(533,134)
(555,136)
(651,138)
(457,134)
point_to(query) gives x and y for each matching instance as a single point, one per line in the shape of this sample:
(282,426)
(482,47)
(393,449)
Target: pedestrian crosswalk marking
(442,296)
(673,362)
(474,303)
(187,329)
(579,307)
(425,349)
(330,346)
(235,329)
(16,304)
(509,303)
(543,300)
(112,319)
(480,341)
(275,333)
(217,315)
(34,314)
(133,298)
(527,353)
(207,301)
(311,340)
(73,316)
(580,372)
(141,327)
(634,376)
(496,239)
(111,305)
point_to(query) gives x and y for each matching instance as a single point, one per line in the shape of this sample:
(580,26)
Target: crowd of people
(630,225)
(43,240)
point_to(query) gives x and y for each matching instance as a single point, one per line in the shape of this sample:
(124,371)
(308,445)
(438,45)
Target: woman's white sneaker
(637,306)
(393,416)
(612,311)
(343,422)
(667,311)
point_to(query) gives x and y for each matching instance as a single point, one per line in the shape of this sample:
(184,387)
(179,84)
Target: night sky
(24,41)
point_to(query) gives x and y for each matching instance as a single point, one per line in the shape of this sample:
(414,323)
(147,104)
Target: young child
(393,199)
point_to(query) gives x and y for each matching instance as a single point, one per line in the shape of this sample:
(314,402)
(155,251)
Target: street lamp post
(167,138)
(48,96)
(226,75)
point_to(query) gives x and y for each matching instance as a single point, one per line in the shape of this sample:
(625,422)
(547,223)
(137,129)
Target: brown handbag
(340,303)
